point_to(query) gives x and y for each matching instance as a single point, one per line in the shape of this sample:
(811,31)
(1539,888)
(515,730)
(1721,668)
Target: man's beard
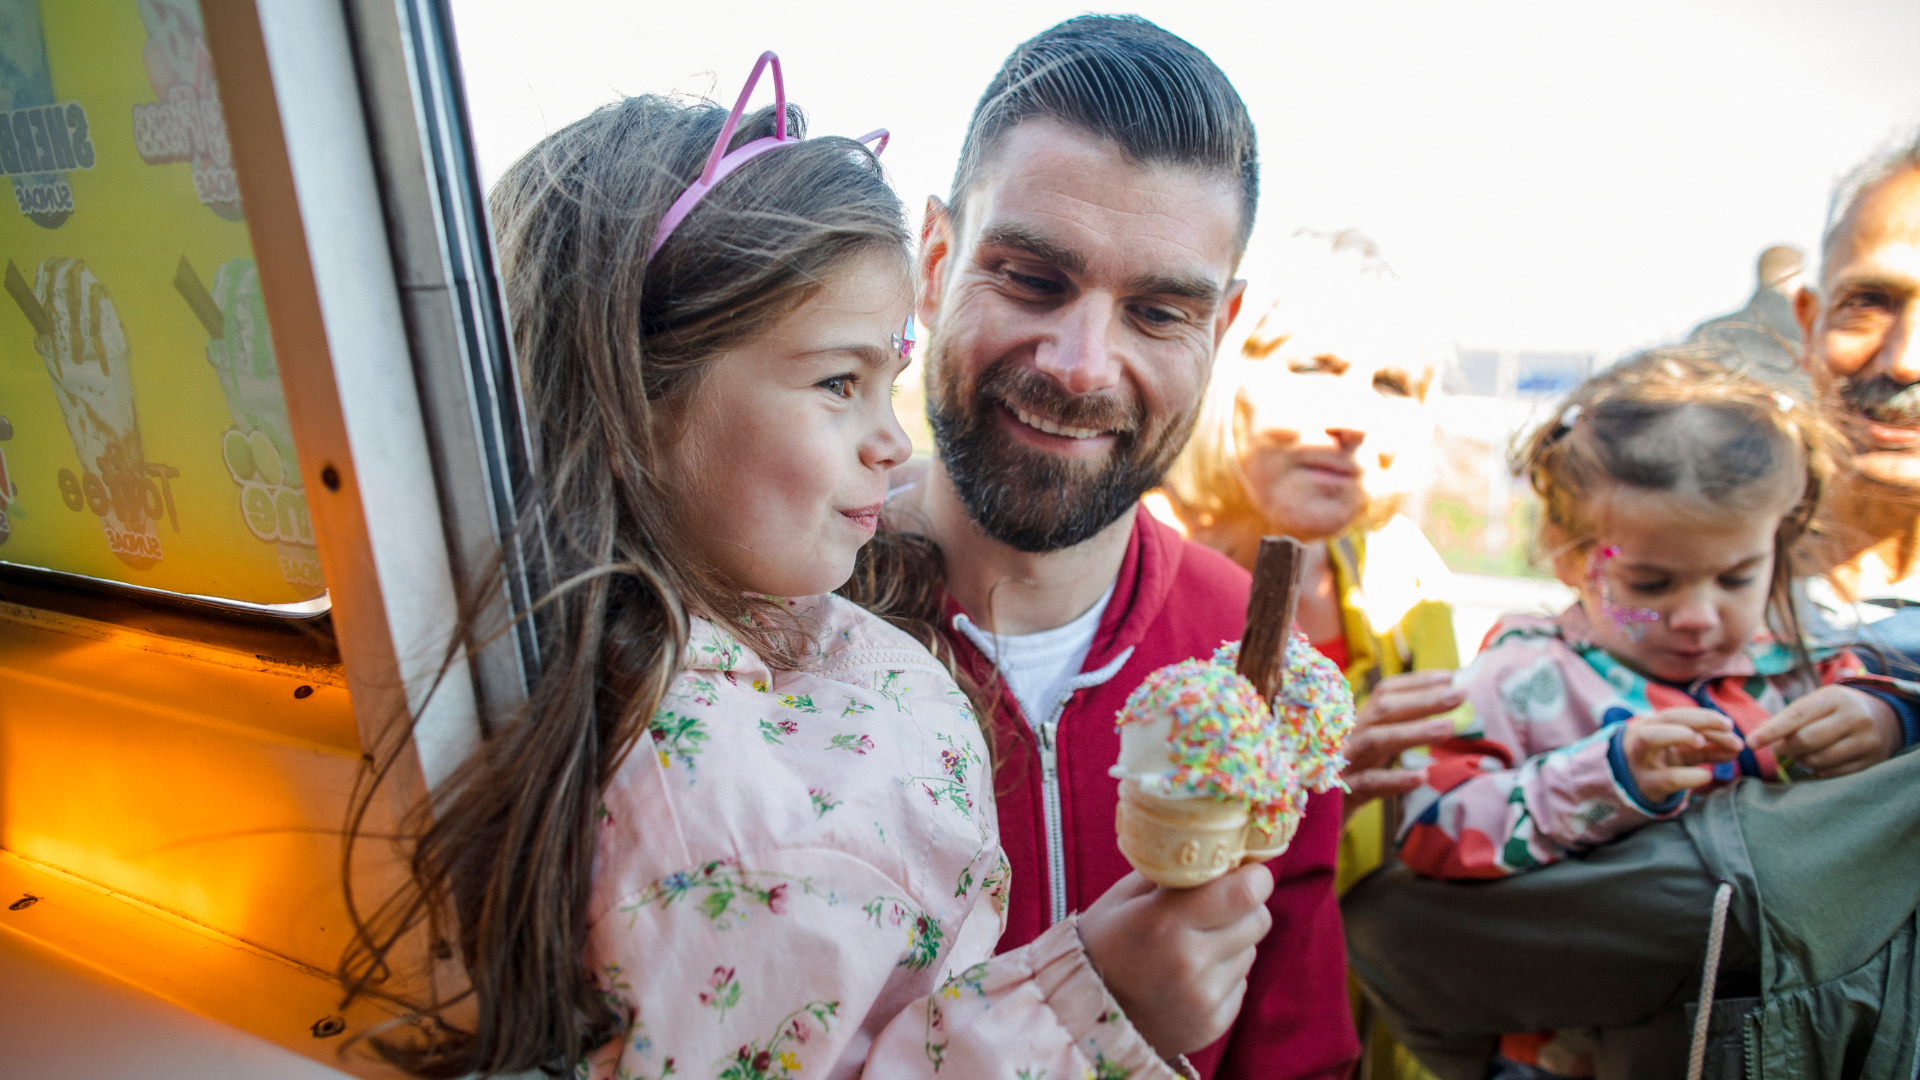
(1028,499)
(1882,400)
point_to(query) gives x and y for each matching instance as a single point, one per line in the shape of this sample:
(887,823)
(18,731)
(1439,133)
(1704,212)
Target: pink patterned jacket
(1538,770)
(803,878)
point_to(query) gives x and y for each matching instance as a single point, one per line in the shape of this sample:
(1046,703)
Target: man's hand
(1177,959)
(1394,720)
(1833,731)
(1666,751)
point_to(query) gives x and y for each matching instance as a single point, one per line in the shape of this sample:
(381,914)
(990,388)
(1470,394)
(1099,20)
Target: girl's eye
(1648,588)
(838,385)
(1737,582)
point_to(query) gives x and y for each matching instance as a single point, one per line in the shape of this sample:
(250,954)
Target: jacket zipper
(1047,733)
(1050,815)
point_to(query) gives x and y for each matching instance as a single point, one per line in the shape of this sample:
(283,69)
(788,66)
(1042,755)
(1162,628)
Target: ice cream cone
(1180,843)
(1263,845)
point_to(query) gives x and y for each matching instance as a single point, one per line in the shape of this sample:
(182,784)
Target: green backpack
(1834,916)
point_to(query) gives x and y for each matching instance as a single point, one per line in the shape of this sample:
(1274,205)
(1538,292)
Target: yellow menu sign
(143,430)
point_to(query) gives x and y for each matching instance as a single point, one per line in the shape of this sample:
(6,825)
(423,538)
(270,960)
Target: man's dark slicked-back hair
(1122,78)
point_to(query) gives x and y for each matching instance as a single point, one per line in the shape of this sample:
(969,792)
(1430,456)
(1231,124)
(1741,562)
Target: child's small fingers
(1658,735)
(1783,724)
(1815,737)
(1686,777)
(1723,740)
(1707,753)
(1849,754)
(1701,720)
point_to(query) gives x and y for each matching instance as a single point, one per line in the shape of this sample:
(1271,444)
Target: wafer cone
(1180,843)
(1263,845)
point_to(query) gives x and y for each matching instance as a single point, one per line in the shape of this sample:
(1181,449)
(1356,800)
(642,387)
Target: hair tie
(1782,401)
(1569,415)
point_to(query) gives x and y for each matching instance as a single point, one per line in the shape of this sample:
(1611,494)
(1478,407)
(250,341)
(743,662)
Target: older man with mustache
(1862,328)
(1075,291)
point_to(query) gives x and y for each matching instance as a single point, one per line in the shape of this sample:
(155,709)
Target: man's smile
(1034,420)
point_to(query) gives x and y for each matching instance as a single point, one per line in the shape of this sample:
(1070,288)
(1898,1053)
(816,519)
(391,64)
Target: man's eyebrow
(1874,279)
(1184,286)
(1020,238)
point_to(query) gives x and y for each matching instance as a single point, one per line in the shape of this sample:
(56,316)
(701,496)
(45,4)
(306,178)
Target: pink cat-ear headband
(720,163)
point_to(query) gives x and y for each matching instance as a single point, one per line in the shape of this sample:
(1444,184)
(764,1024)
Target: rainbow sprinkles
(1223,742)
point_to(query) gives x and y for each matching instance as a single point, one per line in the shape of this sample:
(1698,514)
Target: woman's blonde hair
(1338,277)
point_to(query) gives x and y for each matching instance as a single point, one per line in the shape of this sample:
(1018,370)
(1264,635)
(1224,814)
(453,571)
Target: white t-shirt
(1038,667)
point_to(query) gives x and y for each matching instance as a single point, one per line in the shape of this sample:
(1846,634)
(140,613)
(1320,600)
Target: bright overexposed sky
(1545,175)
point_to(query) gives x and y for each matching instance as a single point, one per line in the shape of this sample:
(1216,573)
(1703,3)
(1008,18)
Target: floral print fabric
(801,876)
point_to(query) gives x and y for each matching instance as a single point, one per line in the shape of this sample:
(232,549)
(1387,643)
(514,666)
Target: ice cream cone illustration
(79,337)
(258,448)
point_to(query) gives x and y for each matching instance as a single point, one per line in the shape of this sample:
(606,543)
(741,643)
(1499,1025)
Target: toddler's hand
(1177,959)
(1665,751)
(1833,731)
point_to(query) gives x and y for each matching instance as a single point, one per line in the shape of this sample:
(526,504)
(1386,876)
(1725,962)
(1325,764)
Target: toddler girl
(732,834)
(1672,494)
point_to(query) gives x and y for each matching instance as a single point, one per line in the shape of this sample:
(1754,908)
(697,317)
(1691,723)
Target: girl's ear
(1569,559)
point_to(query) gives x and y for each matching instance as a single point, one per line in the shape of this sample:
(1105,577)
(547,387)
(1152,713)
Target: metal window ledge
(97,986)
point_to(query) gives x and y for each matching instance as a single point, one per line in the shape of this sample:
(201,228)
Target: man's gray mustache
(1883,399)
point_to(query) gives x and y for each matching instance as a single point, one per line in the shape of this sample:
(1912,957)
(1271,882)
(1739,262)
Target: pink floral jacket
(1538,771)
(804,879)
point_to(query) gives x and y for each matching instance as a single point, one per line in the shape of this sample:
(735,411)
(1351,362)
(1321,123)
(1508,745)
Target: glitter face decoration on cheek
(1631,621)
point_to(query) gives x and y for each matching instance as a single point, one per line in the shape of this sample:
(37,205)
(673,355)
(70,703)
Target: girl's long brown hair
(1681,419)
(608,348)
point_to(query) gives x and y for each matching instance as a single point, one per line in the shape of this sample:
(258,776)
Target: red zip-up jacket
(1172,600)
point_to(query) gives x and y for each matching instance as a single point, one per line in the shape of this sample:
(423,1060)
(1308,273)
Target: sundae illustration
(37,144)
(186,122)
(1212,775)
(79,337)
(258,448)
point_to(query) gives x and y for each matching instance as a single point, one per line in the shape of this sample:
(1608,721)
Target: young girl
(1672,493)
(736,835)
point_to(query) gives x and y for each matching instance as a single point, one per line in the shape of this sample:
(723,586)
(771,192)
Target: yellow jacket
(1395,613)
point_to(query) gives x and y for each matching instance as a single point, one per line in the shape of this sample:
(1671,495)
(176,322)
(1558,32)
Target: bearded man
(1862,328)
(1075,291)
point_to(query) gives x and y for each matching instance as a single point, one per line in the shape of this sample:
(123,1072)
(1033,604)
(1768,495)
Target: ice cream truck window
(144,437)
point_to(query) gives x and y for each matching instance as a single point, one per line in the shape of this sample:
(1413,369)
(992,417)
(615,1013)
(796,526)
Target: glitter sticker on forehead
(1631,621)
